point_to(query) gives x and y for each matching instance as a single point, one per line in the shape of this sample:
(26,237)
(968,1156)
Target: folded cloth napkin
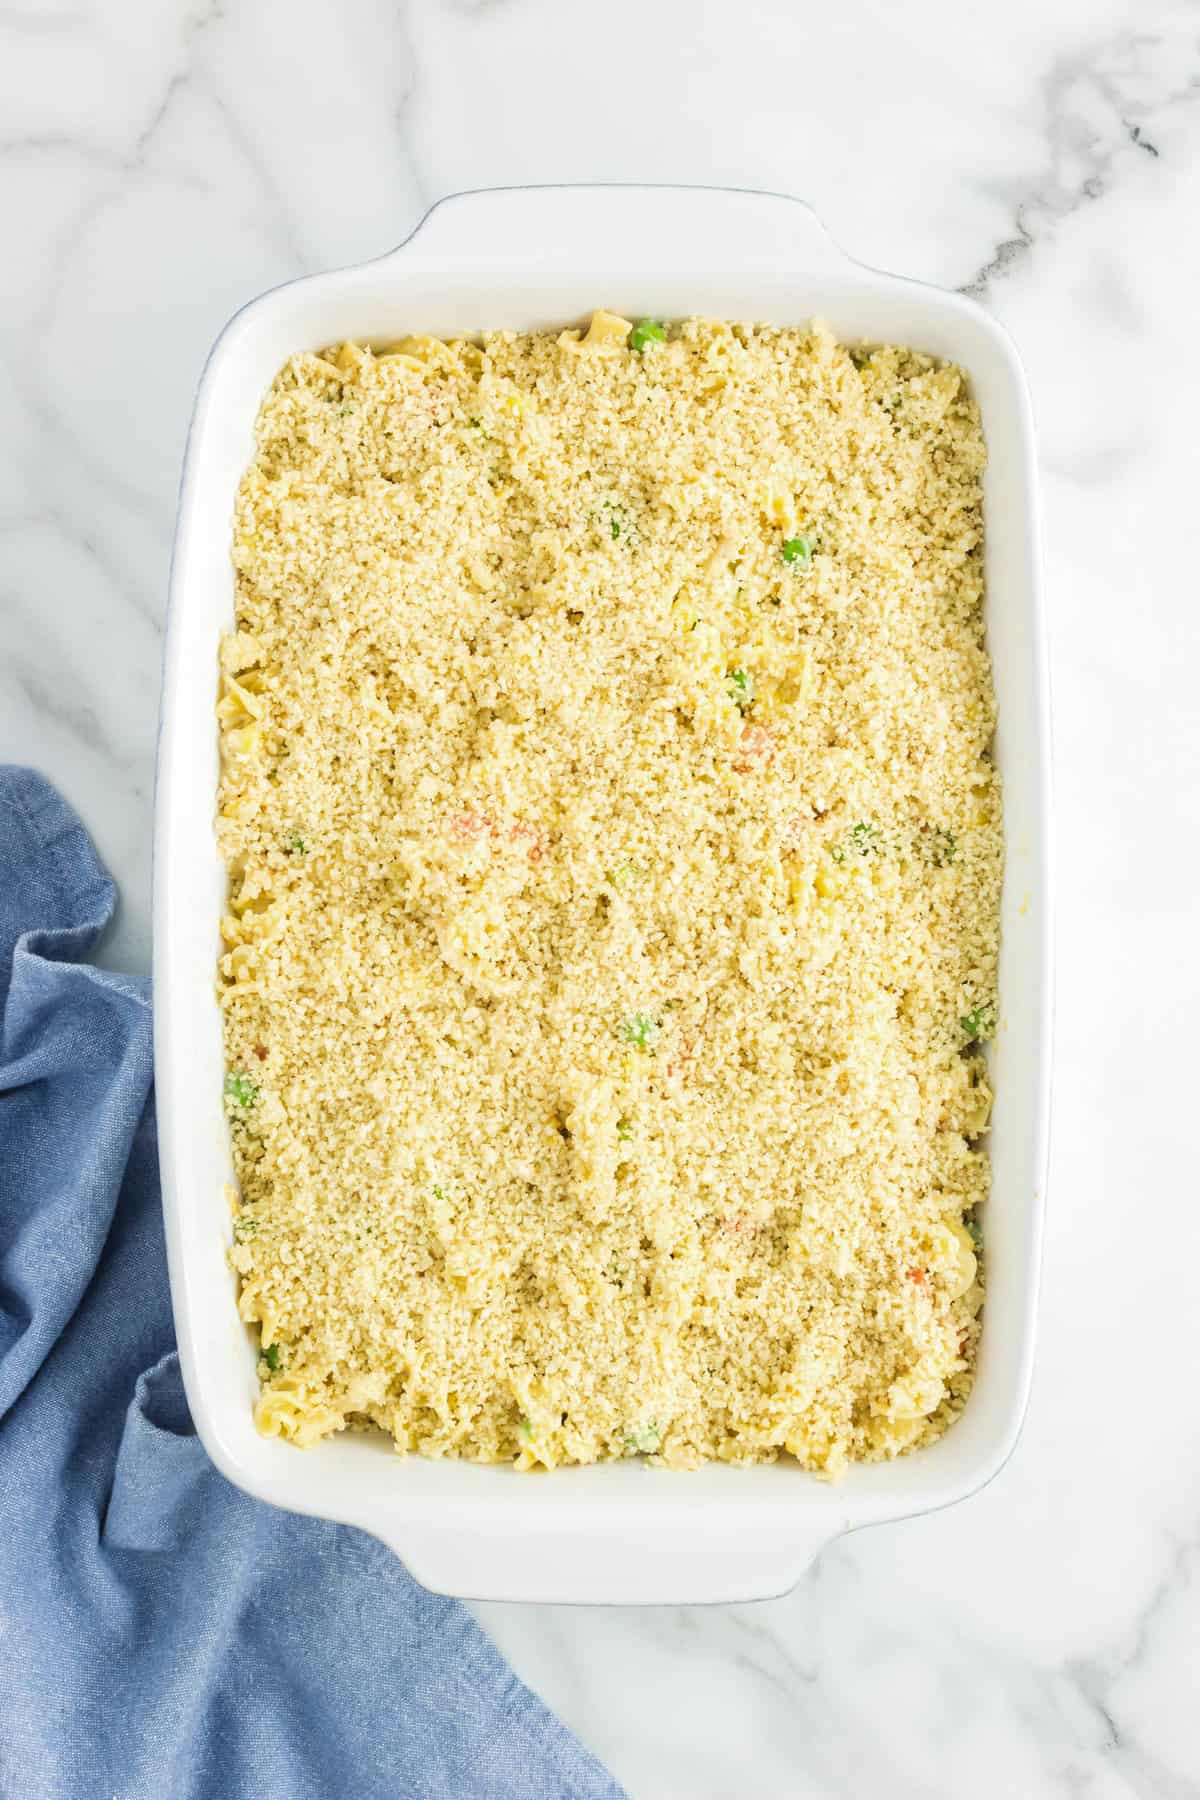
(163,1636)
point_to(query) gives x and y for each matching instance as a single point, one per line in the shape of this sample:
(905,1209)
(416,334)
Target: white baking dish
(519,259)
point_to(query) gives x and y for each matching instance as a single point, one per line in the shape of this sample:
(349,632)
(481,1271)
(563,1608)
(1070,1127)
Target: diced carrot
(469,827)
(522,833)
(754,750)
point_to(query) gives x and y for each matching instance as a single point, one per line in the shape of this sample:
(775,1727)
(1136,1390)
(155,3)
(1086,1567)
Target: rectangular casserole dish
(521,259)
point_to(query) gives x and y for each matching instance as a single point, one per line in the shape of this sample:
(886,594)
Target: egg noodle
(615,857)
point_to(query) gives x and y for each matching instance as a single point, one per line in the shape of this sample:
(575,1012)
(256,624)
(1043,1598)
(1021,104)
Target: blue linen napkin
(163,1636)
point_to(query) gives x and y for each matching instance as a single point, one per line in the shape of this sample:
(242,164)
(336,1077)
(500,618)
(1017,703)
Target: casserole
(525,259)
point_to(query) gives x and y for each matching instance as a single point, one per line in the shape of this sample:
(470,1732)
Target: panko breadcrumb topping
(615,858)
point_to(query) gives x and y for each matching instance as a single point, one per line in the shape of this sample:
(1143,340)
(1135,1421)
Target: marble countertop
(163,160)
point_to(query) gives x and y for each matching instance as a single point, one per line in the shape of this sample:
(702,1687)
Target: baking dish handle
(610,1561)
(659,228)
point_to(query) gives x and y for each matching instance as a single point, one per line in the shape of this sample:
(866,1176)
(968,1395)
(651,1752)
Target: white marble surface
(161,160)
